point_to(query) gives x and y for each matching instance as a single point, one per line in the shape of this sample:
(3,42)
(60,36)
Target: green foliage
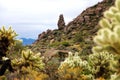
(78,37)
(115,77)
(55,44)
(102,64)
(28,73)
(74,68)
(98,65)
(63,43)
(51,67)
(108,37)
(29,58)
(9,34)
(28,66)
(3,78)
(7,38)
(73,60)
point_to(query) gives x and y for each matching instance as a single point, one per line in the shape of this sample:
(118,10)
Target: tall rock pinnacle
(61,23)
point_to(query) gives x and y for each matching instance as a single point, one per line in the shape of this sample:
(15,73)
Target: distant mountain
(27,41)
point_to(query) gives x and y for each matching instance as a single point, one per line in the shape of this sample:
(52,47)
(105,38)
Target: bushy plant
(97,66)
(74,68)
(102,64)
(115,77)
(15,51)
(7,38)
(78,37)
(108,37)
(65,43)
(30,74)
(30,65)
(55,44)
(51,68)
(62,43)
(29,58)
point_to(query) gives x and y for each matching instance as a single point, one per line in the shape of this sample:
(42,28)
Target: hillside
(76,34)
(66,52)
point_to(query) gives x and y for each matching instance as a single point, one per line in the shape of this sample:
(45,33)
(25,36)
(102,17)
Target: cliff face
(84,24)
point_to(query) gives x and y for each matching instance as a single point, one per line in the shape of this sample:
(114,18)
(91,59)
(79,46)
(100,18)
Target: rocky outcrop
(55,53)
(61,22)
(42,35)
(54,45)
(85,23)
(90,17)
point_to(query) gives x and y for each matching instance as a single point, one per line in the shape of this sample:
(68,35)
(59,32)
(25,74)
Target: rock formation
(61,22)
(86,23)
(90,17)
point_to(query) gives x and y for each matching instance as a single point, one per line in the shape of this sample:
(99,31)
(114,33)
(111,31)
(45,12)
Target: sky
(31,17)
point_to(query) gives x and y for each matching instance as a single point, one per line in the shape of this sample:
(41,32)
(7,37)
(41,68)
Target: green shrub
(78,37)
(74,68)
(29,58)
(108,37)
(102,64)
(7,38)
(66,44)
(56,44)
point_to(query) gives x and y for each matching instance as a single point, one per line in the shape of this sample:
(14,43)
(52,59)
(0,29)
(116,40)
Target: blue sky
(31,17)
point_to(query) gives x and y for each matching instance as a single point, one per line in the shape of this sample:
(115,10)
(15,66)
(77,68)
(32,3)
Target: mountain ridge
(27,41)
(78,32)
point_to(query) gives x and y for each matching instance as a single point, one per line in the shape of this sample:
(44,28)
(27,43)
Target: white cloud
(38,15)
